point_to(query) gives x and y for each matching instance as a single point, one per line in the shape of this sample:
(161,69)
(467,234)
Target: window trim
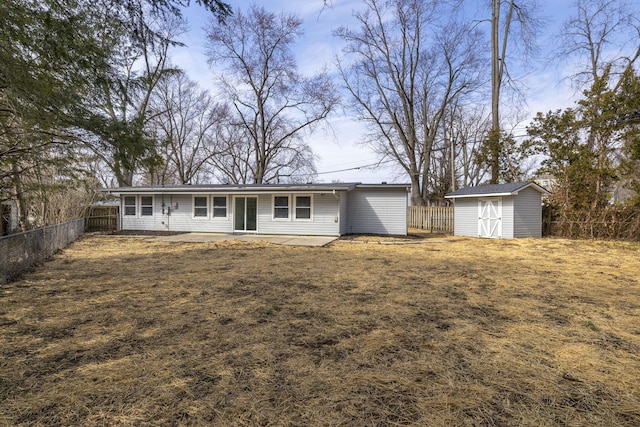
(273,207)
(226,207)
(143,206)
(135,207)
(193,206)
(295,207)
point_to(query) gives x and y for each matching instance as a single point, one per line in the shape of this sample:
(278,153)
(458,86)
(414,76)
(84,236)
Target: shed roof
(510,189)
(248,188)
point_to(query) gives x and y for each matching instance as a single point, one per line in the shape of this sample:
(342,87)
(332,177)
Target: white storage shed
(499,211)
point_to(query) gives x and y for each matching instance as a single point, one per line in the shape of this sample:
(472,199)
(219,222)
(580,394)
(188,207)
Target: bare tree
(508,18)
(467,128)
(275,105)
(185,128)
(235,162)
(407,65)
(605,37)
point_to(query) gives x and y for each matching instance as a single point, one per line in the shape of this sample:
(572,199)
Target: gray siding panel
(465,221)
(325,217)
(528,214)
(507,217)
(377,211)
(180,218)
(325,221)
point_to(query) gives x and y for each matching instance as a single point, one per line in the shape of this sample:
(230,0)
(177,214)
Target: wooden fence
(435,219)
(102,218)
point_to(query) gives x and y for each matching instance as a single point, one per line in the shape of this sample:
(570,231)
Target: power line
(354,168)
(393,160)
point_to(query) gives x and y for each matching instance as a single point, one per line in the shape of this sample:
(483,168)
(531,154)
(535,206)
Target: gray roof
(510,189)
(248,188)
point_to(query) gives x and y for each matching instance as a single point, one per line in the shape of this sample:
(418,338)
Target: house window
(220,207)
(129,205)
(146,205)
(280,207)
(200,207)
(303,207)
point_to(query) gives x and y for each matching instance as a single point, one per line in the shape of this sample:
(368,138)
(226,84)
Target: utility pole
(453,166)
(452,156)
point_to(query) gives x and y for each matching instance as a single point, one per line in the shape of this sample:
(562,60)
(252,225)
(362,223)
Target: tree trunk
(123,175)
(21,203)
(494,139)
(416,192)
(498,56)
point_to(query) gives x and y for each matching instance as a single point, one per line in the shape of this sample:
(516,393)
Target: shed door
(490,217)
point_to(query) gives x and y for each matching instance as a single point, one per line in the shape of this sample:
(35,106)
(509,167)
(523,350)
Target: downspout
(163,205)
(338,219)
(169,211)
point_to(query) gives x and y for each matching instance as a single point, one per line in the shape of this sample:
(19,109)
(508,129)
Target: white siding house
(499,211)
(309,209)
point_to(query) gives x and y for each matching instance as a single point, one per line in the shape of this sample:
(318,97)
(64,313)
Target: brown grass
(449,331)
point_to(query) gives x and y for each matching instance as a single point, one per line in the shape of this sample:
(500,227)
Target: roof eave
(227,189)
(403,186)
(458,196)
(502,194)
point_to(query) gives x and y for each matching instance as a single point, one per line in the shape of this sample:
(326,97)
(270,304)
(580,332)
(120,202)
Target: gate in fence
(435,219)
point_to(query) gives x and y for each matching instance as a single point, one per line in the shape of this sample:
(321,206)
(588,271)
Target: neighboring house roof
(510,189)
(105,203)
(249,188)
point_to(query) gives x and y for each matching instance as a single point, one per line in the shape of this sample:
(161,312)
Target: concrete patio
(219,237)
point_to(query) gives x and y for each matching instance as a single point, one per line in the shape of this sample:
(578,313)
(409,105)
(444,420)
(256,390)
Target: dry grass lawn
(443,331)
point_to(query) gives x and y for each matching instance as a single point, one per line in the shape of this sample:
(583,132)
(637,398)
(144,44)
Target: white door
(490,217)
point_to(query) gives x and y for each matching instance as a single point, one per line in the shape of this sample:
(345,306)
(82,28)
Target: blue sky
(338,147)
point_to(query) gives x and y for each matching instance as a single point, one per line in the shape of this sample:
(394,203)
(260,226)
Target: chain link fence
(20,251)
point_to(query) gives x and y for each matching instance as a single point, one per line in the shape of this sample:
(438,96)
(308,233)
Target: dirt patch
(117,330)
(413,236)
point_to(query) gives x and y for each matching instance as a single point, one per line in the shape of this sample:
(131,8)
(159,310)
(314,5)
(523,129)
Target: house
(546,181)
(302,209)
(499,210)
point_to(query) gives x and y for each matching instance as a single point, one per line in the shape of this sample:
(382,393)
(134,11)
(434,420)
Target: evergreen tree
(592,148)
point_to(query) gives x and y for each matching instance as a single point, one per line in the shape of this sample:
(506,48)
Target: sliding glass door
(245,213)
